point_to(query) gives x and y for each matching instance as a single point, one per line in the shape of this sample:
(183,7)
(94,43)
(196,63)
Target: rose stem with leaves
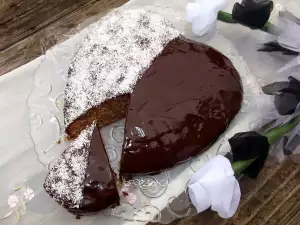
(227,18)
(273,135)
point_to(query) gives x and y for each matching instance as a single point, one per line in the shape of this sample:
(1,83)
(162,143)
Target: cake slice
(99,191)
(81,180)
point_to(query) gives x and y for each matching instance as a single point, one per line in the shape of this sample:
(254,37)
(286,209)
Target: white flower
(28,194)
(203,14)
(215,186)
(13,201)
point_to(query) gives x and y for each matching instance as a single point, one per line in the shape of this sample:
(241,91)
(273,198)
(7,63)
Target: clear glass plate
(160,198)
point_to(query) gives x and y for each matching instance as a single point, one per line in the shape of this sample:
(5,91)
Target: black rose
(287,95)
(250,145)
(252,13)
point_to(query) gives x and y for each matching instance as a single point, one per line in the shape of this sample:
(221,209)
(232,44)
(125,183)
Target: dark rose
(287,95)
(252,13)
(250,145)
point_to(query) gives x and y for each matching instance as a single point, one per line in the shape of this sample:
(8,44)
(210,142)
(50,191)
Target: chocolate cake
(177,96)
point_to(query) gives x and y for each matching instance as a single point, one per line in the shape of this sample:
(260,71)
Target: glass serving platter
(159,198)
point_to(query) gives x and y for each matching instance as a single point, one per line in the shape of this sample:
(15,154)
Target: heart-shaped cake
(177,96)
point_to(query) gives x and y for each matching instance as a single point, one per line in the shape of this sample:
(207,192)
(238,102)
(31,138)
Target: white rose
(203,14)
(214,185)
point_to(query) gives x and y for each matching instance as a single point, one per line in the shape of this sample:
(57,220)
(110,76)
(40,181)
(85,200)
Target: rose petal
(192,11)
(290,37)
(215,186)
(250,145)
(199,197)
(203,15)
(254,15)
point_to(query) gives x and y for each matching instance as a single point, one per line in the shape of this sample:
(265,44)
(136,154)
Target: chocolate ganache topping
(100,189)
(182,103)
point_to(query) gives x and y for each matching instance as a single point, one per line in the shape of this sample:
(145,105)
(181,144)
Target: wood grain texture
(23,18)
(272,199)
(28,28)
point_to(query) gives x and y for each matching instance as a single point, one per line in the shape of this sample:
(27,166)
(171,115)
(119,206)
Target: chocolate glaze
(100,189)
(182,103)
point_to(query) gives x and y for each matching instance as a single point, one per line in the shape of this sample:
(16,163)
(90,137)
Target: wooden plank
(34,45)
(286,211)
(266,192)
(279,197)
(249,186)
(27,17)
(295,219)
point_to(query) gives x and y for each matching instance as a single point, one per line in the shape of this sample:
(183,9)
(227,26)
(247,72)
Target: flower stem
(239,166)
(267,27)
(270,28)
(276,133)
(227,18)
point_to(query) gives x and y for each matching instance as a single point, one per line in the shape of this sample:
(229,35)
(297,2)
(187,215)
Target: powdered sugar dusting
(66,178)
(113,56)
